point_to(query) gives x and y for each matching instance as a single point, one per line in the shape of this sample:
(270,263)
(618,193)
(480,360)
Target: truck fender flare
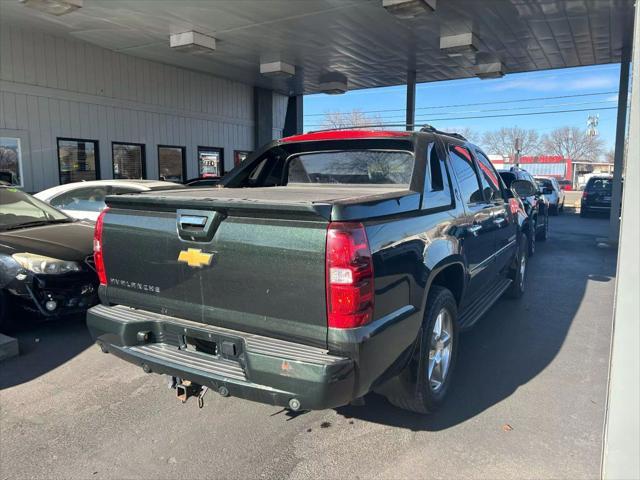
(454,260)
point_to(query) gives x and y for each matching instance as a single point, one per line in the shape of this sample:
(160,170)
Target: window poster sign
(210,162)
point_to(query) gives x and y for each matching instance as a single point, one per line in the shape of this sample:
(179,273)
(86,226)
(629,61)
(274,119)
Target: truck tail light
(585,194)
(98,257)
(350,292)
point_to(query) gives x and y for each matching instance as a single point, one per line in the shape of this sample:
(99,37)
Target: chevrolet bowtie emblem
(195,258)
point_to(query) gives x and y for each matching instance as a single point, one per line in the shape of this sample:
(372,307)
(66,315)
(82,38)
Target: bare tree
(573,143)
(354,118)
(504,140)
(469,133)
(610,156)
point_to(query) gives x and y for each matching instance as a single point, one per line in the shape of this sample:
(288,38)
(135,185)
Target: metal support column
(622,434)
(263,116)
(293,121)
(411,100)
(621,123)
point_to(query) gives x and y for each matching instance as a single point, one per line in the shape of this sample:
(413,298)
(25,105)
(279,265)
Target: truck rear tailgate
(257,274)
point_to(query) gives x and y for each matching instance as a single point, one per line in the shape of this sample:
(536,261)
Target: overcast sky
(592,90)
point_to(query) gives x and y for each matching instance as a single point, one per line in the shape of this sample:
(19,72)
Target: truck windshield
(377,167)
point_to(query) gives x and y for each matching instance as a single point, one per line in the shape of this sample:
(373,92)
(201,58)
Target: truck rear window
(373,167)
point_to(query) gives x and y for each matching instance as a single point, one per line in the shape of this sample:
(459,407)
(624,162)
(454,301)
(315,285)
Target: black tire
(544,233)
(553,210)
(562,206)
(416,393)
(4,314)
(519,273)
(584,212)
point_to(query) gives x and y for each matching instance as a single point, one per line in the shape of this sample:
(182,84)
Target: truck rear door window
(372,167)
(466,174)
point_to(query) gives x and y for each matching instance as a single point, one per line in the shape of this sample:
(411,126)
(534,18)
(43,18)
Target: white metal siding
(51,87)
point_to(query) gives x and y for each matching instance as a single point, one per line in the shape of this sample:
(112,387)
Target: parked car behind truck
(535,205)
(85,200)
(331,265)
(553,193)
(596,197)
(46,259)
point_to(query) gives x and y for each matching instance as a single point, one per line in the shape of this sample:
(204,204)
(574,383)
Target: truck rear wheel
(429,373)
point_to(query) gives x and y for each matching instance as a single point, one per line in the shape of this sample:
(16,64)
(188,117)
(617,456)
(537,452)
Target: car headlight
(45,265)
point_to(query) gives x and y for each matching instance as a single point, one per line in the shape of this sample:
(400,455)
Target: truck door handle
(499,220)
(474,229)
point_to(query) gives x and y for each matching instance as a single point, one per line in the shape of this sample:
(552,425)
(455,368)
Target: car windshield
(544,183)
(375,167)
(18,210)
(599,184)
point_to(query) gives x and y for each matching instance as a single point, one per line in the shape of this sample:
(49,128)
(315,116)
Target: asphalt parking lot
(528,400)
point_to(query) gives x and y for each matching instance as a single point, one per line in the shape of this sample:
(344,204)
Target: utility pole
(411,100)
(518,147)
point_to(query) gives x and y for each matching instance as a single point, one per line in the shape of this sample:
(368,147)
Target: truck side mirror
(523,188)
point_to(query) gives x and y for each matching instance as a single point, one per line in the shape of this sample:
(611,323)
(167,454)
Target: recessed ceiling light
(277,69)
(53,7)
(463,44)
(333,83)
(192,42)
(489,70)
(408,8)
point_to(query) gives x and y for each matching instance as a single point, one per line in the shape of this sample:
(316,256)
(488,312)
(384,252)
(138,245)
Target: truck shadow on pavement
(517,339)
(44,347)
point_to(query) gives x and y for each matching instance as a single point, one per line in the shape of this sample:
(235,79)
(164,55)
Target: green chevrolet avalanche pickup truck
(330,265)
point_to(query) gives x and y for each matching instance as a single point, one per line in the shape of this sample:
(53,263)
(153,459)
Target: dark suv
(536,206)
(596,196)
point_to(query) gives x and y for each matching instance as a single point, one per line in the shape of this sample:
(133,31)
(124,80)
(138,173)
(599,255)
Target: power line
(476,104)
(570,104)
(481,116)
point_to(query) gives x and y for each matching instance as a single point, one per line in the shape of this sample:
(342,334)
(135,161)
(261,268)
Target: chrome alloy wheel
(440,346)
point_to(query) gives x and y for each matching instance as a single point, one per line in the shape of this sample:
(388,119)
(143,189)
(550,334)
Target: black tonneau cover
(331,202)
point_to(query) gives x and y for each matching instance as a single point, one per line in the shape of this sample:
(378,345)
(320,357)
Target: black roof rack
(432,129)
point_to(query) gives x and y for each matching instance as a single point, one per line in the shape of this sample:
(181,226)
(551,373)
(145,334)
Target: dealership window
(210,162)
(239,156)
(128,160)
(171,163)
(78,160)
(10,160)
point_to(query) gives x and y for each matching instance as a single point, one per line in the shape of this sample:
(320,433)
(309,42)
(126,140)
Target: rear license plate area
(207,342)
(194,344)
